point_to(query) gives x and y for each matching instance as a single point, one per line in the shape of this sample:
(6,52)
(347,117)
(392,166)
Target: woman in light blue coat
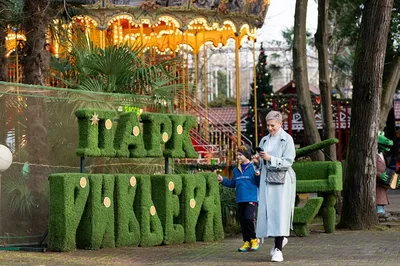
(277,185)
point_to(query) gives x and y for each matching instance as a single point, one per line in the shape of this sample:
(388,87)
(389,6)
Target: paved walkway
(340,248)
(380,246)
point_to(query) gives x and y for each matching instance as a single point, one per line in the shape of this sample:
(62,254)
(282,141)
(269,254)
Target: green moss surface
(194,190)
(155,125)
(126,143)
(180,145)
(151,230)
(95,139)
(67,203)
(168,206)
(209,224)
(96,229)
(305,215)
(127,228)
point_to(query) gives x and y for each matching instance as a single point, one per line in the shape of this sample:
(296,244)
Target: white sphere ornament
(5,158)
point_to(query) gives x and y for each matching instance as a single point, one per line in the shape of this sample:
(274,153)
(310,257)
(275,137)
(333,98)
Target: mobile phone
(259,149)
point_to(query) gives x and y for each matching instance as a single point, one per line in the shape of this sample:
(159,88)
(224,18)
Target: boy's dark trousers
(247,212)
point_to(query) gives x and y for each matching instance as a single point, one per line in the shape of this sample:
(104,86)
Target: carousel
(176,29)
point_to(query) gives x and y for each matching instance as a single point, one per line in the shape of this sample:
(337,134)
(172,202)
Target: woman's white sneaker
(278,256)
(285,241)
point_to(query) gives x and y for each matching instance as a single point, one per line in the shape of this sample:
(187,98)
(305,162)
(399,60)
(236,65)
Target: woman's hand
(220,178)
(265,155)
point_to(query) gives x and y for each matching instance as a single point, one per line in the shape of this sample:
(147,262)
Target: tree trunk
(3,59)
(301,78)
(321,42)
(359,207)
(36,64)
(3,77)
(389,91)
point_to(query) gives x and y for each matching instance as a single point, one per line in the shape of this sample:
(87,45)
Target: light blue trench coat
(276,201)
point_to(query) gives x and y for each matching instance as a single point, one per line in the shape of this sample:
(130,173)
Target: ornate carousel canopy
(168,24)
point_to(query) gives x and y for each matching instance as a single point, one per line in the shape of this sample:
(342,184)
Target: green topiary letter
(209,225)
(95,133)
(150,225)
(192,198)
(127,229)
(180,144)
(96,229)
(157,128)
(128,140)
(165,191)
(68,196)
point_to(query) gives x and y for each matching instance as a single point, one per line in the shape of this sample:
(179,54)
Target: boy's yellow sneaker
(254,244)
(245,247)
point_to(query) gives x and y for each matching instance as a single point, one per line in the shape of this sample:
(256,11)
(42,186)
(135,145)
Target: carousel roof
(250,11)
(166,25)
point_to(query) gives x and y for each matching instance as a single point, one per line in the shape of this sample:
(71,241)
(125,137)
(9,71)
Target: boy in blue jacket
(246,181)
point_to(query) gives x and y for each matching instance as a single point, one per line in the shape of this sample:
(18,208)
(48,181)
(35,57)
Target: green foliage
(305,215)
(288,35)
(18,194)
(264,89)
(67,203)
(166,190)
(151,230)
(96,228)
(180,145)
(228,206)
(222,101)
(127,144)
(209,224)
(157,126)
(97,210)
(222,83)
(315,147)
(98,137)
(11,12)
(325,178)
(346,15)
(116,69)
(321,176)
(194,191)
(95,139)
(127,228)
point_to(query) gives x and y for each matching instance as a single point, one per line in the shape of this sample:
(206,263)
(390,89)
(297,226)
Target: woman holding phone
(277,185)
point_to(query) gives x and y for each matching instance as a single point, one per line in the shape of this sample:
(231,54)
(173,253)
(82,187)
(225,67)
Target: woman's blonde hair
(274,115)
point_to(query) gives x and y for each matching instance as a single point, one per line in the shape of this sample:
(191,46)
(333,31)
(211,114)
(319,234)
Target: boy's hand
(220,178)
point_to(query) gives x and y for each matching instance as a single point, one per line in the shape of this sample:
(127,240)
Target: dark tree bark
(321,42)
(3,59)
(359,207)
(36,64)
(301,77)
(389,91)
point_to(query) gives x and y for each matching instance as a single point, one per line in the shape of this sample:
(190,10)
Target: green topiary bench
(305,215)
(324,178)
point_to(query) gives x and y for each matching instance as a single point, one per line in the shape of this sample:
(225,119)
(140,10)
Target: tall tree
(36,64)
(3,59)
(391,74)
(321,42)
(263,89)
(301,77)
(359,208)
(10,11)
(346,16)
